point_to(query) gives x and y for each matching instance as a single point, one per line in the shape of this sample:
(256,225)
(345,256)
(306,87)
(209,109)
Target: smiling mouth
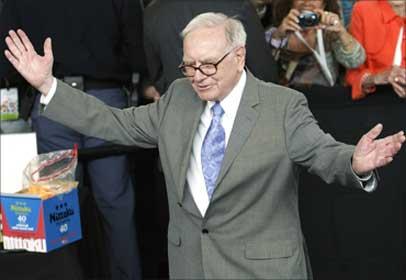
(203,87)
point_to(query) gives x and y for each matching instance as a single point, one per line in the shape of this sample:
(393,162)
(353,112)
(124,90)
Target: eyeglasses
(208,69)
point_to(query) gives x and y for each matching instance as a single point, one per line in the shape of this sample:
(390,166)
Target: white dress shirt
(44,100)
(194,175)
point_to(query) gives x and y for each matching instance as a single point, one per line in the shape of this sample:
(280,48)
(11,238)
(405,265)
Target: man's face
(209,45)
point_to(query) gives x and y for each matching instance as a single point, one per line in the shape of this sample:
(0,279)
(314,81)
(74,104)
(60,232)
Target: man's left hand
(371,153)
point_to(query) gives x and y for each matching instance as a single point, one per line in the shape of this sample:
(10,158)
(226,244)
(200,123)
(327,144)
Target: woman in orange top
(377,26)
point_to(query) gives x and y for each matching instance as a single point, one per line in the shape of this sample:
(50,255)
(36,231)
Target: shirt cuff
(45,99)
(368,182)
(276,43)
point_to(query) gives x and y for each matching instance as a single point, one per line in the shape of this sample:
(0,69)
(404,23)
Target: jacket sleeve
(134,126)
(309,146)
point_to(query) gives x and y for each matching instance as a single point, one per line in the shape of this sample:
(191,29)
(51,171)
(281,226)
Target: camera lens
(308,19)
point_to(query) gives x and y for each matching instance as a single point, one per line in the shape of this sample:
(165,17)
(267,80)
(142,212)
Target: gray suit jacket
(251,228)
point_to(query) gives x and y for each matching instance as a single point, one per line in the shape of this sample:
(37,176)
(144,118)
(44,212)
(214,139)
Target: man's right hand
(36,69)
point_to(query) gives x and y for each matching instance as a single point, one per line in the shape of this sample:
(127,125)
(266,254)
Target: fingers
(26,42)
(48,48)
(400,79)
(12,48)
(399,89)
(291,21)
(293,26)
(383,161)
(397,73)
(374,132)
(329,21)
(371,154)
(17,42)
(295,13)
(400,137)
(395,138)
(397,78)
(390,145)
(18,46)
(328,18)
(11,58)
(390,150)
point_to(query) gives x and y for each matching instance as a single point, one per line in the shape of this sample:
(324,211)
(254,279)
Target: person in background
(295,46)
(264,11)
(380,27)
(164,21)
(231,146)
(98,45)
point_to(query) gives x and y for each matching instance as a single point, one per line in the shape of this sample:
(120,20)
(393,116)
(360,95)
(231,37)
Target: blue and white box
(38,225)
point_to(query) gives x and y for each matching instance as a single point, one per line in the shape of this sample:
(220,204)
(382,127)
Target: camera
(308,19)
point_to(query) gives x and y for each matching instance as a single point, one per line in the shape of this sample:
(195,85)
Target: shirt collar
(231,102)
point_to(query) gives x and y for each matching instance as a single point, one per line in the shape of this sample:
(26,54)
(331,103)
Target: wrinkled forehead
(204,43)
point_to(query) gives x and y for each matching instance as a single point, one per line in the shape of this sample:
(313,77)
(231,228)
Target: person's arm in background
(347,51)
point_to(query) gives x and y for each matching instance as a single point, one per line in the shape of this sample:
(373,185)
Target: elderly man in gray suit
(230,147)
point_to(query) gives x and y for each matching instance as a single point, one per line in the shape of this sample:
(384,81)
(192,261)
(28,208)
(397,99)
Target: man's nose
(199,76)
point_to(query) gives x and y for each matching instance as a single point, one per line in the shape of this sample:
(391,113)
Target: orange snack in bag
(42,191)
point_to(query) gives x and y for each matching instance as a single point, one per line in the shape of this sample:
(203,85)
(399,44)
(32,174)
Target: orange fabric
(376,26)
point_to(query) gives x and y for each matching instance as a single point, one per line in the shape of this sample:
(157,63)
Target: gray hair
(235,33)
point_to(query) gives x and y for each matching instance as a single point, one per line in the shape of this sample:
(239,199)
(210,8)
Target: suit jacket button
(205,231)
(180,204)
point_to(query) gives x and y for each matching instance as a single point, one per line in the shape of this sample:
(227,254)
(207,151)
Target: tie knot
(217,110)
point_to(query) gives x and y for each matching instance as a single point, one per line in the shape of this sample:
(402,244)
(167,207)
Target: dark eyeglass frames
(208,69)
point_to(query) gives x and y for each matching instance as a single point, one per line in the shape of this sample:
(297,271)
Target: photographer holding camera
(310,42)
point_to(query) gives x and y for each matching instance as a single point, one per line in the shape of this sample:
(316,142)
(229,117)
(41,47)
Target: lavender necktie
(213,149)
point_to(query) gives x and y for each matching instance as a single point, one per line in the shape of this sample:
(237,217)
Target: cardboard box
(40,225)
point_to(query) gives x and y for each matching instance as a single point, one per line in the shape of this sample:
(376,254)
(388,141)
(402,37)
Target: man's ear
(240,54)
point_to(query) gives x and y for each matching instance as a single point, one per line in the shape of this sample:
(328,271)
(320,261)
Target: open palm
(371,153)
(36,69)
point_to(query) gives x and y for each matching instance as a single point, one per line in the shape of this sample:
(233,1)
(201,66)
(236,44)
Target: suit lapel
(243,124)
(192,113)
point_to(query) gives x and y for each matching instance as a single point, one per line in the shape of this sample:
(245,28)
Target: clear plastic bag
(51,173)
